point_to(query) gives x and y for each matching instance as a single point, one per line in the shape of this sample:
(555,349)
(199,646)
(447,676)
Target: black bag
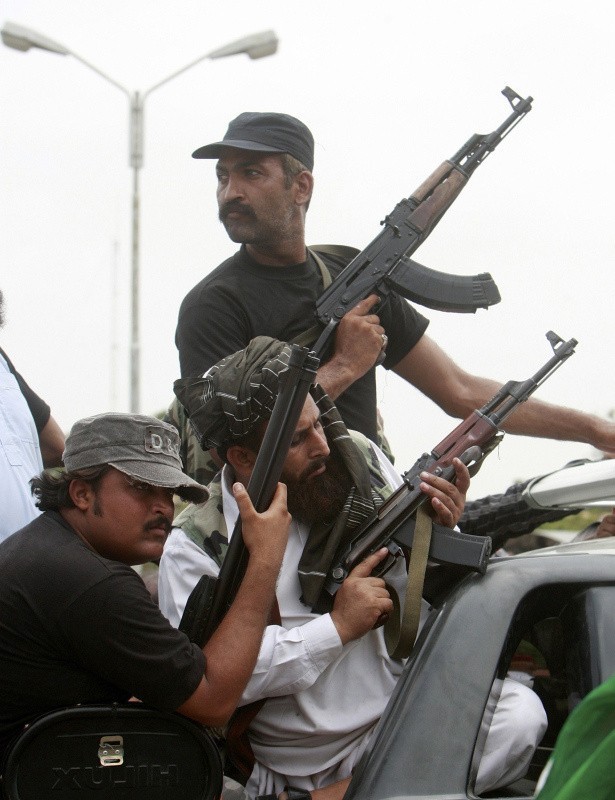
(112,752)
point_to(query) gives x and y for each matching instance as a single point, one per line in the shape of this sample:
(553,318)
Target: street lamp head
(20,38)
(257,45)
(263,50)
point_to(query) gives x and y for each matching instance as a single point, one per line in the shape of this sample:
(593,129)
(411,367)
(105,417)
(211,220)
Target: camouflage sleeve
(198,463)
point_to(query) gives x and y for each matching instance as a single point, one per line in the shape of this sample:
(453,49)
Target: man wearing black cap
(79,625)
(264,168)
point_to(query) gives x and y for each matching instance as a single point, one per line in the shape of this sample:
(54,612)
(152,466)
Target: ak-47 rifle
(392,525)
(212,597)
(385,264)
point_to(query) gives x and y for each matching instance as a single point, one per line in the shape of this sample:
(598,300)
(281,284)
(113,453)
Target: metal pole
(134,330)
(136,162)
(113,405)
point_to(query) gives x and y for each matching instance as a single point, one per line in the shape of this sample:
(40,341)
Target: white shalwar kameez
(323,698)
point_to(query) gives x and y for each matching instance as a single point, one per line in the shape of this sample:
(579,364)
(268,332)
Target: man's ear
(81,493)
(304,182)
(241,460)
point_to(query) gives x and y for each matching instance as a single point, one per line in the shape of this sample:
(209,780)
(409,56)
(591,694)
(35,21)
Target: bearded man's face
(319,498)
(317,480)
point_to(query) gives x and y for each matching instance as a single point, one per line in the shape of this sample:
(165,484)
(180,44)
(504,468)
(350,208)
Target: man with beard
(326,677)
(29,439)
(78,623)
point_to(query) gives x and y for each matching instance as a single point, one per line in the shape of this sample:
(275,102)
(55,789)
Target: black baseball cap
(265,132)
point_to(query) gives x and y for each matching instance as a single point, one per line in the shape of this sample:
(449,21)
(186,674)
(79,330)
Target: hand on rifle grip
(361,600)
(360,339)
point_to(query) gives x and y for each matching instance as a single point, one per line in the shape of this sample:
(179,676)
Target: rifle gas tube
(385,264)
(392,525)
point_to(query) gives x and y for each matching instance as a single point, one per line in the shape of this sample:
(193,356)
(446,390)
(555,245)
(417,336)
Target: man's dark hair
(51,487)
(251,440)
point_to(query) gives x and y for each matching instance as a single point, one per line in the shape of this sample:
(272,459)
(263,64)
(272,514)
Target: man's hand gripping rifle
(392,525)
(385,264)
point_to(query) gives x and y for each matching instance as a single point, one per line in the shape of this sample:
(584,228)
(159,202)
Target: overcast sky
(389,90)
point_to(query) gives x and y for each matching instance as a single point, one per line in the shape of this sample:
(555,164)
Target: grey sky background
(389,90)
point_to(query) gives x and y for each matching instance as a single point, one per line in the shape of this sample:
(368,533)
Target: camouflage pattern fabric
(198,464)
(236,393)
(205,525)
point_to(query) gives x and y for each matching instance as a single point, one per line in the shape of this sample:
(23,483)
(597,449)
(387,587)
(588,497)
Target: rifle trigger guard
(389,560)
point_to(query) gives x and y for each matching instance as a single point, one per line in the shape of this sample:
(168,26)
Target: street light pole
(136,162)
(257,45)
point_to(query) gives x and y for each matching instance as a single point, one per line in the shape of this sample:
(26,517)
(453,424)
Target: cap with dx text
(141,447)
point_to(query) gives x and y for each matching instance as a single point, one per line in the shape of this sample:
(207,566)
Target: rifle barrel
(478,147)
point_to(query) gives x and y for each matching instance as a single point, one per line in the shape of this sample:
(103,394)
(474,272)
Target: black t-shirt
(38,408)
(242,299)
(79,628)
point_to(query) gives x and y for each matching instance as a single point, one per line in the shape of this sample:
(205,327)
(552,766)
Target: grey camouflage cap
(142,447)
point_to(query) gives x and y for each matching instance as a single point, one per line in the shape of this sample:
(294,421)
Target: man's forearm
(291,660)
(537,418)
(546,420)
(233,649)
(459,393)
(335,378)
(51,440)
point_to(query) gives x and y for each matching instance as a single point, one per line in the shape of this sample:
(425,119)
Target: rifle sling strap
(400,630)
(309,336)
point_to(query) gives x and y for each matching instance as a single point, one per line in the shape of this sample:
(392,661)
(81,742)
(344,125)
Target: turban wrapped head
(235,394)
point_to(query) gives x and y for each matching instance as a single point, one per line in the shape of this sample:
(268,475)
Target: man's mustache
(161,521)
(236,206)
(314,466)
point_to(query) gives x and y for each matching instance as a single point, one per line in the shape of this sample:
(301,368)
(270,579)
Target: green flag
(582,766)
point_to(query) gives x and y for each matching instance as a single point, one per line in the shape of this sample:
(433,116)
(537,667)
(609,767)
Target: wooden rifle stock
(435,196)
(385,264)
